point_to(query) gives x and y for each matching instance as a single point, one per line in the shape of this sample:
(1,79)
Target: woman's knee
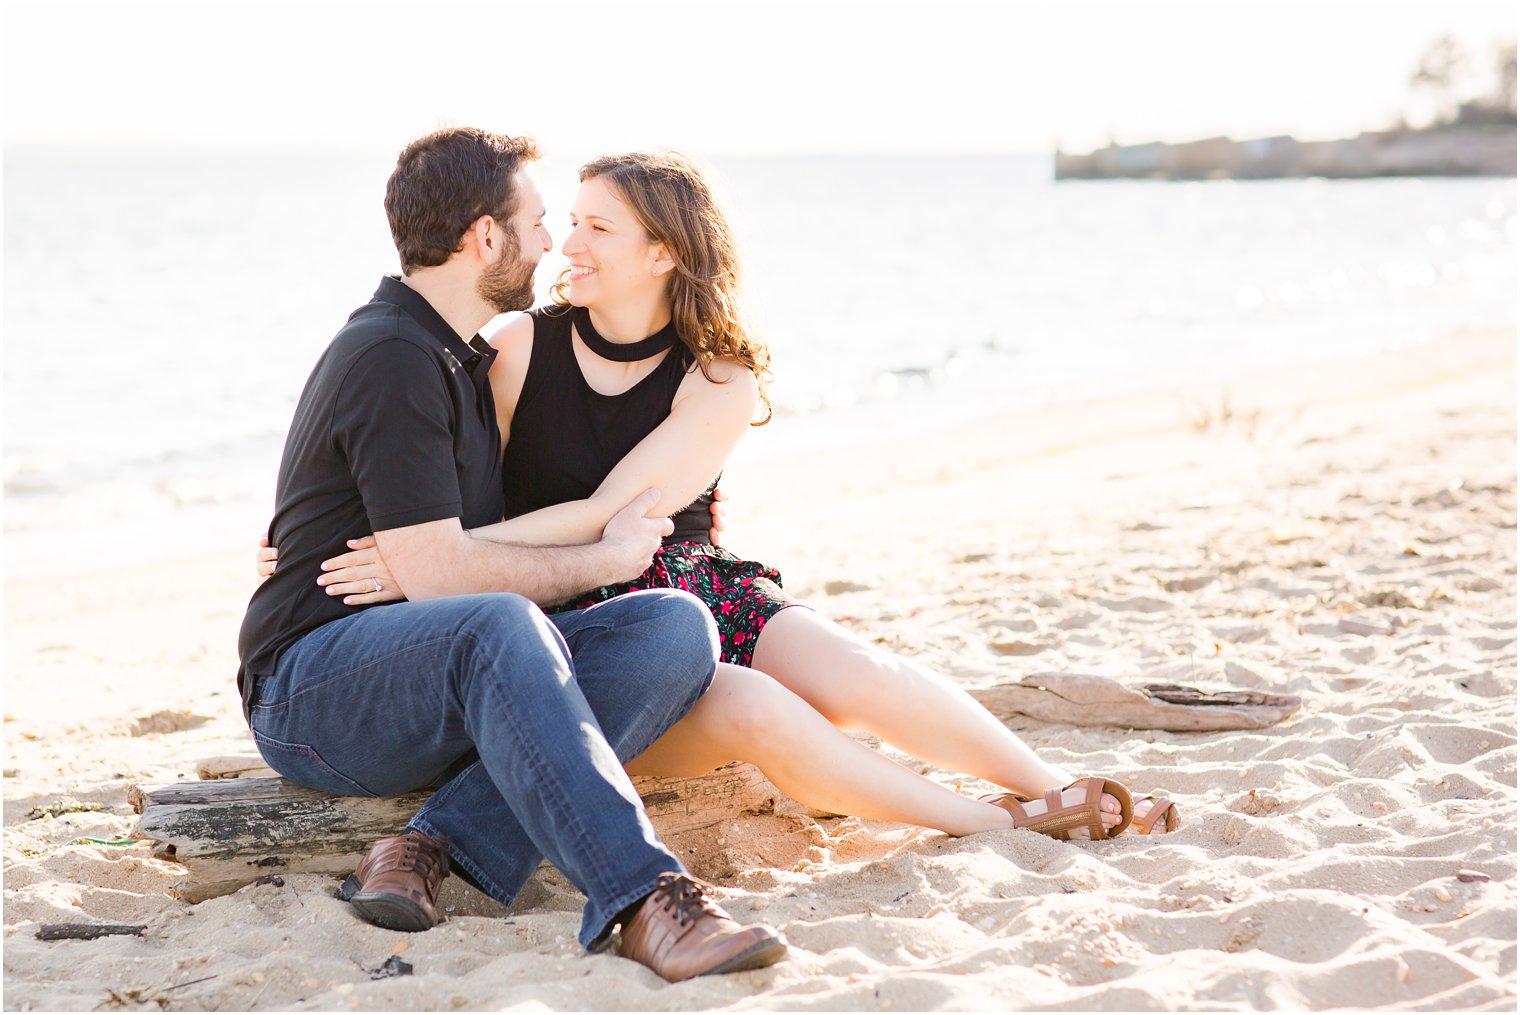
(756,714)
(843,677)
(865,682)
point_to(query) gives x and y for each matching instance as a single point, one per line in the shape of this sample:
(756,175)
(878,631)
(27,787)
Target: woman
(644,374)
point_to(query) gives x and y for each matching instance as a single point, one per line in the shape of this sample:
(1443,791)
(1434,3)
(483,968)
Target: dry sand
(1346,534)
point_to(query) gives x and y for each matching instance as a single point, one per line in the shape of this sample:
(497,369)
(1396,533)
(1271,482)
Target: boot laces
(684,897)
(425,857)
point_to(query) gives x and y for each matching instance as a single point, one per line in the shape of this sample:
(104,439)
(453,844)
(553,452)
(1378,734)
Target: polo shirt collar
(475,354)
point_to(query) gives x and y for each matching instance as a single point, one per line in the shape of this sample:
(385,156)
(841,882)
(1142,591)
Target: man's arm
(394,426)
(440,558)
(679,458)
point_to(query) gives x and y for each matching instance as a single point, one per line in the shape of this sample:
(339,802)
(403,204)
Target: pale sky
(720,77)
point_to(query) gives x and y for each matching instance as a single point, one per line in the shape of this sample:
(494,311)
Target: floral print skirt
(742,594)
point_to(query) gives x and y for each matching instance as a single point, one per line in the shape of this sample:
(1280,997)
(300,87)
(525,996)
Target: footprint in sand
(1016,647)
(1450,744)
(1359,653)
(1238,633)
(1362,626)
(1135,604)
(1485,685)
(838,587)
(1015,625)
(1393,599)
(1447,498)
(1192,583)
(166,721)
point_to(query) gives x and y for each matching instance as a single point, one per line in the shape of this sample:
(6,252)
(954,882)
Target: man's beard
(507,285)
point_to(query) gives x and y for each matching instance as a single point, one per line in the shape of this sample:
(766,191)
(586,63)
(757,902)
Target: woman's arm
(680,458)
(705,422)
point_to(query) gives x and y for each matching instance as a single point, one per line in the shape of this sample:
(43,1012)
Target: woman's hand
(718,510)
(265,558)
(360,576)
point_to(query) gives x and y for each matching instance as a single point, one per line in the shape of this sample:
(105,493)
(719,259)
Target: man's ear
(479,239)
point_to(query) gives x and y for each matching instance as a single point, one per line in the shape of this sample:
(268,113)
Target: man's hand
(439,558)
(631,539)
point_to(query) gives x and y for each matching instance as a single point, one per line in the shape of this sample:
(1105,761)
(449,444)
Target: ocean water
(163,307)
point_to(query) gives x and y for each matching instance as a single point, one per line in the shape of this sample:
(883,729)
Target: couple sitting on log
(596,427)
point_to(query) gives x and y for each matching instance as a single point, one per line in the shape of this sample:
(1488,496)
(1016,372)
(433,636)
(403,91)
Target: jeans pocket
(302,764)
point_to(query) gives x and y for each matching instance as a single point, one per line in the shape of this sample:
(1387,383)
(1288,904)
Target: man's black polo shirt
(396,427)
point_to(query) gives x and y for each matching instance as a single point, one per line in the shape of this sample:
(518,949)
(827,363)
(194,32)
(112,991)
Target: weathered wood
(229,832)
(87,931)
(1087,700)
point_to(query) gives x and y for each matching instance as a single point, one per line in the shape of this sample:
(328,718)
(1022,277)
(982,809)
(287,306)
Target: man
(523,722)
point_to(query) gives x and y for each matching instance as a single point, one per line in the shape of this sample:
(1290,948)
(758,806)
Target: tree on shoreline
(1445,80)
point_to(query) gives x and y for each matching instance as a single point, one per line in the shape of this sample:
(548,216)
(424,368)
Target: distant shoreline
(1484,149)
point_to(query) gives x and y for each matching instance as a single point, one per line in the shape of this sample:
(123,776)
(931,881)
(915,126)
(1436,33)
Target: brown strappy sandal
(1057,820)
(1163,807)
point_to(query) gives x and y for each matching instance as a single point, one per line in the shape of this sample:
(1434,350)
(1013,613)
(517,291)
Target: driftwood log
(228,832)
(1087,700)
(239,824)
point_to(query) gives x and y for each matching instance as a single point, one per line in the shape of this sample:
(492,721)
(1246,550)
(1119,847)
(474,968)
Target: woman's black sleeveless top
(566,437)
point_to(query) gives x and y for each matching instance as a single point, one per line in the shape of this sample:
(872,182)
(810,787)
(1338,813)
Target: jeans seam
(368,662)
(313,754)
(420,820)
(491,886)
(536,768)
(622,902)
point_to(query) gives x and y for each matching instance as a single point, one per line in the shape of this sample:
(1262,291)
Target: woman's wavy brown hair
(677,208)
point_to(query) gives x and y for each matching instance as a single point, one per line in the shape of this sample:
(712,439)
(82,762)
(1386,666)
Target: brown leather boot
(679,934)
(396,884)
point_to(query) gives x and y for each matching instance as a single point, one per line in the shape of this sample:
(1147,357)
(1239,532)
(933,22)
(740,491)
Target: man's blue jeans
(480,693)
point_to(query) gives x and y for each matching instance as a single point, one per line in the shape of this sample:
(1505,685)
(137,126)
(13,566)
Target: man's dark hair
(445,181)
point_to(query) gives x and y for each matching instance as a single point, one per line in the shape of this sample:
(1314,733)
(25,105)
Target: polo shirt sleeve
(393,422)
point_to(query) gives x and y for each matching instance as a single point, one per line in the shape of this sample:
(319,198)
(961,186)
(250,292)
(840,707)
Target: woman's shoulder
(550,319)
(513,343)
(521,326)
(724,379)
(515,335)
(724,370)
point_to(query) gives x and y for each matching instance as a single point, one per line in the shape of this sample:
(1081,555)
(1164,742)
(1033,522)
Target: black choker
(620,352)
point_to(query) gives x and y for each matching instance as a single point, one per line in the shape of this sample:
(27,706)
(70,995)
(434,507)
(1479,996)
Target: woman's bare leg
(858,686)
(747,716)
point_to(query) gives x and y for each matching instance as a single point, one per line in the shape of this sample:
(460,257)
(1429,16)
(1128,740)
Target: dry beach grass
(1346,535)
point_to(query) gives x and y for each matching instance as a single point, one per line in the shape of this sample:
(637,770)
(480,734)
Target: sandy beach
(1344,533)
